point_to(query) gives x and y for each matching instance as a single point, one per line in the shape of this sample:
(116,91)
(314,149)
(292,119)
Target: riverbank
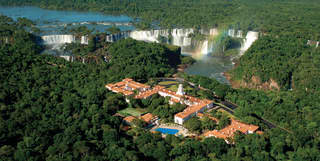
(186,61)
(233,83)
(182,67)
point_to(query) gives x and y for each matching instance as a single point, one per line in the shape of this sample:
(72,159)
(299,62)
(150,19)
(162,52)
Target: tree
(193,124)
(114,30)
(92,44)
(139,123)
(207,123)
(223,122)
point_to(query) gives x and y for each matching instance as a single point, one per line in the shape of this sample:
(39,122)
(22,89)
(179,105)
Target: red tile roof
(260,132)
(129,119)
(190,110)
(147,117)
(175,100)
(120,87)
(200,115)
(231,129)
(148,93)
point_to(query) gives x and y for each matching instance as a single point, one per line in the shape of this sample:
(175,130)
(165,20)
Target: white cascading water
(180,37)
(117,36)
(56,41)
(206,47)
(211,32)
(239,34)
(214,32)
(84,40)
(67,57)
(187,41)
(250,39)
(6,40)
(231,32)
(149,36)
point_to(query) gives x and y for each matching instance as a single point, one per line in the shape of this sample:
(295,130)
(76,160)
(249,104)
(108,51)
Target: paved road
(229,104)
(268,123)
(227,109)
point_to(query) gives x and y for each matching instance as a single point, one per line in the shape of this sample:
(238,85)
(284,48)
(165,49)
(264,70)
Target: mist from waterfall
(205,47)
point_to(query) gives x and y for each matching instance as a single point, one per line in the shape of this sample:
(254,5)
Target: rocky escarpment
(254,83)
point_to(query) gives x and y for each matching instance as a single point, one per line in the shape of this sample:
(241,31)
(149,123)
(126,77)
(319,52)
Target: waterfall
(214,32)
(234,33)
(67,57)
(6,40)
(313,43)
(149,36)
(117,36)
(180,37)
(210,32)
(57,39)
(231,32)
(205,47)
(84,40)
(187,41)
(239,34)
(249,40)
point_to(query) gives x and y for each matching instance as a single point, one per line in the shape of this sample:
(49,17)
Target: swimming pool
(167,131)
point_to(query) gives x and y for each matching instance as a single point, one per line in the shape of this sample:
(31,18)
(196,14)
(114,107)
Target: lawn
(226,113)
(165,83)
(175,88)
(132,111)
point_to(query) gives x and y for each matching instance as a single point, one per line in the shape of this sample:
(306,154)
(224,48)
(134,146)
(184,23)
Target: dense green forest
(287,59)
(268,16)
(51,109)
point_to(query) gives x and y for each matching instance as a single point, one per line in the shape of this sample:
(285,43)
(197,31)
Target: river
(56,22)
(211,66)
(53,22)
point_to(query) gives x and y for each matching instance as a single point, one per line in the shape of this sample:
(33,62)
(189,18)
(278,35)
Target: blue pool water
(167,131)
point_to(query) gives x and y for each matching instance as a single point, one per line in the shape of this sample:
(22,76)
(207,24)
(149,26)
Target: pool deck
(182,131)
